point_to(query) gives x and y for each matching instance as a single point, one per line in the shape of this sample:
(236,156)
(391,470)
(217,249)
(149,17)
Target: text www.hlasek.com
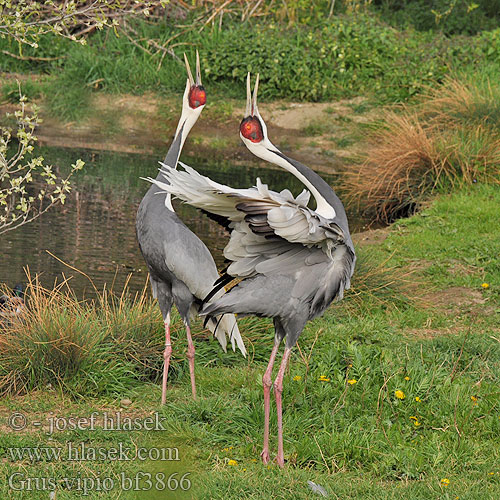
(83,452)
(140,481)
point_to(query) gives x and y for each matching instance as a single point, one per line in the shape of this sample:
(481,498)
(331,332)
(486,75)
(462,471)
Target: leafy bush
(337,58)
(448,16)
(342,57)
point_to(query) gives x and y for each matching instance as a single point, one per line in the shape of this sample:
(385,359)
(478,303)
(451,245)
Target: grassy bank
(446,139)
(392,394)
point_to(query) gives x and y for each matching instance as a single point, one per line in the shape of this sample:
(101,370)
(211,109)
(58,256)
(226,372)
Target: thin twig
(32,58)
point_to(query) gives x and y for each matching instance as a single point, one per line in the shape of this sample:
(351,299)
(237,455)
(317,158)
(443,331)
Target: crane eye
(197,96)
(251,129)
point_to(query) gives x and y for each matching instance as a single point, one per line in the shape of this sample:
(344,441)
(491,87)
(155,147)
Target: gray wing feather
(181,265)
(276,242)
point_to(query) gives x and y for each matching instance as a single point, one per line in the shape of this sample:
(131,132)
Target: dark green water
(95,230)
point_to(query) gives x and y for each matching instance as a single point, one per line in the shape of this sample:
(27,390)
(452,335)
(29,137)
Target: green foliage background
(389,52)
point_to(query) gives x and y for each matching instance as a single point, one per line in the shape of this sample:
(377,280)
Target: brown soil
(371,237)
(456,296)
(322,135)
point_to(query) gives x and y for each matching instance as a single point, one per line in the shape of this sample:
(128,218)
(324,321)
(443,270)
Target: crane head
(194,96)
(252,127)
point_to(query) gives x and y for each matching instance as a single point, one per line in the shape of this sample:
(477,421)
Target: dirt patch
(371,237)
(322,135)
(456,296)
(430,333)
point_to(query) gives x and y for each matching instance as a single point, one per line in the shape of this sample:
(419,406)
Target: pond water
(94,231)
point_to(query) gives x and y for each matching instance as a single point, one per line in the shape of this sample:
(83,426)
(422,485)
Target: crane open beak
(198,71)
(188,68)
(251,108)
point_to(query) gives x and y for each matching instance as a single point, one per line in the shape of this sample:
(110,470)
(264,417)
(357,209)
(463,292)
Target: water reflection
(95,230)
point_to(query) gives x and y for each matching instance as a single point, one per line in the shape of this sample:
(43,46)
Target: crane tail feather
(224,326)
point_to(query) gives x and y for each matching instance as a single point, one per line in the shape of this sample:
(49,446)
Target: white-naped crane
(292,261)
(181,269)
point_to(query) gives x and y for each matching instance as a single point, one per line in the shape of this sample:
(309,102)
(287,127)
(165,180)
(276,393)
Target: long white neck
(186,122)
(267,151)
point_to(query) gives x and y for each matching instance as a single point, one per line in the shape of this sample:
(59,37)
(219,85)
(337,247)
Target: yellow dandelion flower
(417,399)
(352,381)
(324,378)
(232,462)
(473,398)
(445,482)
(399,394)
(244,470)
(485,285)
(491,473)
(297,378)
(416,423)
(407,378)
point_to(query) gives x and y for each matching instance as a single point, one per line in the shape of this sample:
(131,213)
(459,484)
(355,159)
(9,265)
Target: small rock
(125,402)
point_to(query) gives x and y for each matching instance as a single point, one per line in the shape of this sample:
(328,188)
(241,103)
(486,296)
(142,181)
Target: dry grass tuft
(79,346)
(402,163)
(451,137)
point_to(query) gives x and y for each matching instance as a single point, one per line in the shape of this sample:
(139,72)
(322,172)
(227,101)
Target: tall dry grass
(101,346)
(450,137)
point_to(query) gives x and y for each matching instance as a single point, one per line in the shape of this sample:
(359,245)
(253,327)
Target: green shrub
(447,16)
(336,58)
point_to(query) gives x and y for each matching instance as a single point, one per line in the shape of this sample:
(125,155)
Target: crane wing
(272,234)
(267,213)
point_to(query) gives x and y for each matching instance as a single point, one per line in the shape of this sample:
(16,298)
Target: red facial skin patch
(251,129)
(197,96)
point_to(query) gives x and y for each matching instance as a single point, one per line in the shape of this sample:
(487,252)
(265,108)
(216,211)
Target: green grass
(358,440)
(315,128)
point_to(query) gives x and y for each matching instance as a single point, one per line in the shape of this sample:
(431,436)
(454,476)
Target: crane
(291,261)
(181,269)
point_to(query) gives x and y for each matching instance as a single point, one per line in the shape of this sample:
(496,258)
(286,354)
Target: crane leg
(190,356)
(267,383)
(166,359)
(278,390)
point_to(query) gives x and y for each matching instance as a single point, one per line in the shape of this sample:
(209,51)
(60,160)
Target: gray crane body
(182,270)
(293,262)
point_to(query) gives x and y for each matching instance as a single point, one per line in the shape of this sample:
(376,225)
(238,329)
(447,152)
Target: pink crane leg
(190,356)
(278,390)
(166,360)
(267,383)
